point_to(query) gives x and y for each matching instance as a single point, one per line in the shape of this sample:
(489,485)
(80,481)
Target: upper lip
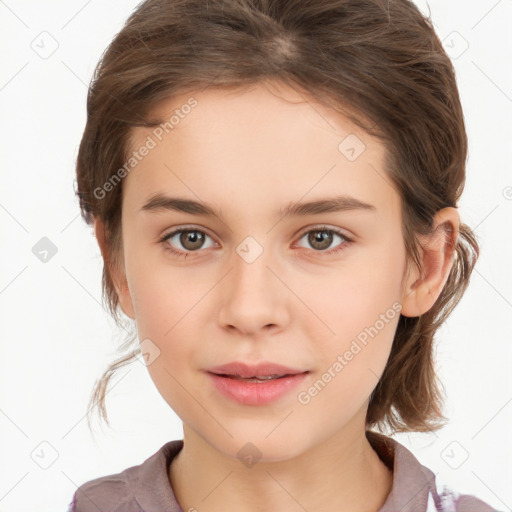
(237,368)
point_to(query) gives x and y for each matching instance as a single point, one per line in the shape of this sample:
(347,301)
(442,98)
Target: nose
(252,298)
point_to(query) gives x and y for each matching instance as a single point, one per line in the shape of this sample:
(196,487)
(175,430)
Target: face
(316,291)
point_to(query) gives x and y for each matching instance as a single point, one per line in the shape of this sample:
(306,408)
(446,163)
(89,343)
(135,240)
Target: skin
(249,152)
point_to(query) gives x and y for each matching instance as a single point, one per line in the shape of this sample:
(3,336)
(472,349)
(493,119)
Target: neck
(342,473)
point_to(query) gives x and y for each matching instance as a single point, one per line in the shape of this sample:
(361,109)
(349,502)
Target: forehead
(266,145)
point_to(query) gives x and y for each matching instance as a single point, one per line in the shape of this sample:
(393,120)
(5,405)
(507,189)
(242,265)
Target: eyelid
(185,227)
(326,227)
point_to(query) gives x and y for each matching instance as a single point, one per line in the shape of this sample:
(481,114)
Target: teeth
(257,377)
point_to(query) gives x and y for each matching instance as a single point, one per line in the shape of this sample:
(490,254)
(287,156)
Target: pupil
(191,239)
(324,238)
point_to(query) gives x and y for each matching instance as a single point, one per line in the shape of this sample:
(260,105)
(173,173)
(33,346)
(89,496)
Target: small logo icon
(455,45)
(44,45)
(351,147)
(149,352)
(455,455)
(249,454)
(249,249)
(44,455)
(45,249)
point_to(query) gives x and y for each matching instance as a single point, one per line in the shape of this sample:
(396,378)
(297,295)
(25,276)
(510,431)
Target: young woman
(273,186)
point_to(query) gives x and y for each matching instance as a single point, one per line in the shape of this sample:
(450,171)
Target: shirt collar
(412,482)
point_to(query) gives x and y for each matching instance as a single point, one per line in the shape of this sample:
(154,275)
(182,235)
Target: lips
(265,370)
(256,392)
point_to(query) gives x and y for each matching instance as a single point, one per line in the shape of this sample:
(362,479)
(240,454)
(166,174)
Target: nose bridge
(252,299)
(251,261)
(250,249)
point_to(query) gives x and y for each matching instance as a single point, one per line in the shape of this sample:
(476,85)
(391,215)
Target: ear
(117,273)
(437,253)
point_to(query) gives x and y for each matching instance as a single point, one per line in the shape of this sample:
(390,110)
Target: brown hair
(379,62)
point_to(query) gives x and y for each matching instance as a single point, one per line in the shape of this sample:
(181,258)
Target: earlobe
(437,253)
(118,276)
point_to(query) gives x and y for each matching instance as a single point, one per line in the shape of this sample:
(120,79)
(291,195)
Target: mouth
(261,372)
(256,378)
(257,389)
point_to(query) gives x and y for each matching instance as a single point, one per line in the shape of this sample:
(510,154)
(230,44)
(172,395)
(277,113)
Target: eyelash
(183,254)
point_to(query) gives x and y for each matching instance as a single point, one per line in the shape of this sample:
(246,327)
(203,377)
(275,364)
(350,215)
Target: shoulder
(105,493)
(136,489)
(443,498)
(415,487)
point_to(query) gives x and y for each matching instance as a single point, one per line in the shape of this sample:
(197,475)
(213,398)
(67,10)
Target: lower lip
(256,393)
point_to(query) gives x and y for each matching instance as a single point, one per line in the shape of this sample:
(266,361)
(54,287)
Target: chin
(254,445)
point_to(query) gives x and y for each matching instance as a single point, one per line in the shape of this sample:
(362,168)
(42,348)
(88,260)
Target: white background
(56,339)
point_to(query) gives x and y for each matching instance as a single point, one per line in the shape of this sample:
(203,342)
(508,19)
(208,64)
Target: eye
(322,237)
(190,240)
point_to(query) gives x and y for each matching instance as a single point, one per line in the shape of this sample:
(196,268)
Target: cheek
(351,362)
(356,294)
(171,378)
(359,310)
(166,315)
(167,303)
(163,296)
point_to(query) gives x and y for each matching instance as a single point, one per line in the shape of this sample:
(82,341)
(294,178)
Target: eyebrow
(161,202)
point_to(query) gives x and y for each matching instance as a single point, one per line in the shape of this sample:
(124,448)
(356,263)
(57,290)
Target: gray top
(146,487)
